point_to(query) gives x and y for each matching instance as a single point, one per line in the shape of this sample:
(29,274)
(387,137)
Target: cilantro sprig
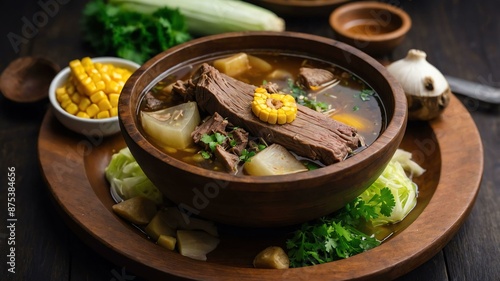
(212,141)
(338,236)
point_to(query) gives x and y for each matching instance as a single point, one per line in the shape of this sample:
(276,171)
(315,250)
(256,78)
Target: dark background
(461,38)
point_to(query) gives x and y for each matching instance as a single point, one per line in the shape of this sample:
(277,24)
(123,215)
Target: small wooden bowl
(265,201)
(373,27)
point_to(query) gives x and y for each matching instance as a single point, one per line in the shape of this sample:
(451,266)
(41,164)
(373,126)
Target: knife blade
(474,90)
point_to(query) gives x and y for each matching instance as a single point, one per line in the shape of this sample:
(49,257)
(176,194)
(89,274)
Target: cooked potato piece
(233,65)
(196,244)
(272,257)
(159,225)
(259,64)
(138,210)
(172,126)
(167,242)
(273,160)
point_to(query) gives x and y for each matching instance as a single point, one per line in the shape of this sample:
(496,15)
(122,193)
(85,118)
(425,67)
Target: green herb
(366,94)
(355,108)
(213,140)
(111,30)
(337,236)
(246,155)
(388,200)
(300,96)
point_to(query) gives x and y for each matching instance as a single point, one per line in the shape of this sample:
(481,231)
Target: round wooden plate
(449,148)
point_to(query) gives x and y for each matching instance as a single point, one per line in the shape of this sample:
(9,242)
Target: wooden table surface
(461,38)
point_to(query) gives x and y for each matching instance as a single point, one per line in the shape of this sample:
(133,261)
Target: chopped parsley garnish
(337,236)
(212,141)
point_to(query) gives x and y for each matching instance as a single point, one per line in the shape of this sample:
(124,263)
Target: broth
(351,101)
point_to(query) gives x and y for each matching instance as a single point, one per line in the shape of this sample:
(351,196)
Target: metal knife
(474,90)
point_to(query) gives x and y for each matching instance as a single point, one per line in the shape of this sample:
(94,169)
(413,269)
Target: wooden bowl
(374,27)
(265,201)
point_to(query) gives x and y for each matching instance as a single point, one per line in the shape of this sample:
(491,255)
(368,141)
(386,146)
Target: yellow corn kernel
(84,103)
(70,88)
(82,114)
(103,114)
(96,77)
(86,61)
(105,77)
(74,63)
(95,98)
(64,97)
(113,111)
(71,108)
(100,85)
(60,91)
(92,110)
(65,103)
(113,99)
(76,97)
(112,87)
(78,70)
(104,104)
(116,76)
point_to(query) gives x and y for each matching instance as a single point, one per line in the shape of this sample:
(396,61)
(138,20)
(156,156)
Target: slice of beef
(228,159)
(240,136)
(151,103)
(314,77)
(311,134)
(214,124)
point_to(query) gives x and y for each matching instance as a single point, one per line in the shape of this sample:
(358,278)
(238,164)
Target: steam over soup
(202,113)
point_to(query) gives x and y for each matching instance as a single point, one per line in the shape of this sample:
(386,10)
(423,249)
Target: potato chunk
(196,244)
(138,210)
(159,225)
(272,257)
(233,65)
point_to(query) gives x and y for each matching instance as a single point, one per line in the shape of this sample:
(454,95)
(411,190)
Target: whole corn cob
(206,17)
(93,89)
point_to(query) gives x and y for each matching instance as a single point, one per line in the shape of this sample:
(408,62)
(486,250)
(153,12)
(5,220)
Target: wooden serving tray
(449,148)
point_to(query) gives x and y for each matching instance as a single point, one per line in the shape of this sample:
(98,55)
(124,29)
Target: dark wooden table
(461,38)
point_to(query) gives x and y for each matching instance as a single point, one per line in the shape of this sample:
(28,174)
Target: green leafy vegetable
(403,189)
(112,30)
(388,200)
(128,180)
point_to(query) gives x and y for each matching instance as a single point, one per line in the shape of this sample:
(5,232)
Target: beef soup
(337,113)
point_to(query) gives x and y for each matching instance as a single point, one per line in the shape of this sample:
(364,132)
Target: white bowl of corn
(84,95)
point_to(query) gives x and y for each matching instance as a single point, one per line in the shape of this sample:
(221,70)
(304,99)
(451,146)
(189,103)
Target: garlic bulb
(426,89)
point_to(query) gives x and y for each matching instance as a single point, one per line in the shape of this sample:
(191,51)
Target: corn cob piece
(276,108)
